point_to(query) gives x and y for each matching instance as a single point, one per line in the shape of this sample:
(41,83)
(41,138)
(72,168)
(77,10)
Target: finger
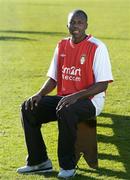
(31,103)
(68,104)
(36,103)
(60,107)
(71,102)
(26,104)
(59,104)
(63,104)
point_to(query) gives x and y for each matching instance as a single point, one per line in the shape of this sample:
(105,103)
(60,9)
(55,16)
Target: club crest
(82,59)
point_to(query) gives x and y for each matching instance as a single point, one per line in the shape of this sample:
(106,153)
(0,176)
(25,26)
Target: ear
(86,26)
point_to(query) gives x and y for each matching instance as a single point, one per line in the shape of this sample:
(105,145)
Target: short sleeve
(52,71)
(101,65)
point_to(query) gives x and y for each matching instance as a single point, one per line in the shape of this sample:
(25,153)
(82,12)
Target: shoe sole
(68,176)
(38,170)
(44,171)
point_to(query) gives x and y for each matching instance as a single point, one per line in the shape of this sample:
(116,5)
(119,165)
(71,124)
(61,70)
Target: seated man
(81,71)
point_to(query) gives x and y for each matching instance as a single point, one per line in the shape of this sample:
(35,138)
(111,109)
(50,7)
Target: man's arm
(47,87)
(93,90)
(85,93)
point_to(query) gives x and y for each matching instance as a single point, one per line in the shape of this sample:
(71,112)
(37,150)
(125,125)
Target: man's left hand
(67,101)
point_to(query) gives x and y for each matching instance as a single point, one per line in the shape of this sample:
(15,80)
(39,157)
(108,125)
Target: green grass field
(29,32)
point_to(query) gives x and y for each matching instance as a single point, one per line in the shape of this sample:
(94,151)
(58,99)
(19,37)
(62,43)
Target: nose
(76,26)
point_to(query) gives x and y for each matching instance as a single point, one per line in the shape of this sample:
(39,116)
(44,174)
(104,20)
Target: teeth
(76,31)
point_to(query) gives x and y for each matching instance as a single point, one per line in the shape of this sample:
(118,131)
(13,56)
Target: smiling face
(77,24)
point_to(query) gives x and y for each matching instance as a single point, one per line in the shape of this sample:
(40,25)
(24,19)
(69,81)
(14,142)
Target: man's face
(77,25)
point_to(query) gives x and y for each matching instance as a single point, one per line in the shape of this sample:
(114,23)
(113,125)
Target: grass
(29,31)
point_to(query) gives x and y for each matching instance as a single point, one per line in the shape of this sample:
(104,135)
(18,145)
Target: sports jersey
(78,66)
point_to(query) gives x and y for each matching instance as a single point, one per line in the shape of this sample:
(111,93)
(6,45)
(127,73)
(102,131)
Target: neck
(78,40)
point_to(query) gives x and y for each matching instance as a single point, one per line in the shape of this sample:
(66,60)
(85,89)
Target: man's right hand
(33,101)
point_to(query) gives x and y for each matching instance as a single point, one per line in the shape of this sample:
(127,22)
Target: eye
(80,22)
(72,22)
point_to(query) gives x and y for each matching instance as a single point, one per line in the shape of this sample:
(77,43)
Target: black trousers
(67,118)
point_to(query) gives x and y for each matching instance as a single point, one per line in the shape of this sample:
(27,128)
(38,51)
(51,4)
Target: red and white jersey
(78,66)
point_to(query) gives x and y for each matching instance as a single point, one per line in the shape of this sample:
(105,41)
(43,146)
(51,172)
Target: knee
(23,109)
(24,112)
(27,115)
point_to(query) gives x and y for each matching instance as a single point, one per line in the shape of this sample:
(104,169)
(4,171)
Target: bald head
(78,12)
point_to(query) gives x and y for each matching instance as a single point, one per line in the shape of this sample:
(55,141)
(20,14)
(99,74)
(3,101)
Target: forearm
(47,87)
(92,90)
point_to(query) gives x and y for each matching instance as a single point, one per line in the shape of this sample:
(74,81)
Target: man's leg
(68,117)
(32,120)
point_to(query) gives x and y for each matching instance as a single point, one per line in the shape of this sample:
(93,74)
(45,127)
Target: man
(81,71)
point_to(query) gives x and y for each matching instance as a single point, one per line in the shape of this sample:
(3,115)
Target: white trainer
(66,173)
(43,167)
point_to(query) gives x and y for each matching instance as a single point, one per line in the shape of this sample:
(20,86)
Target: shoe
(66,173)
(43,167)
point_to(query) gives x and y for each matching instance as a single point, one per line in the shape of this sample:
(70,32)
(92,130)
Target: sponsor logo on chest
(71,73)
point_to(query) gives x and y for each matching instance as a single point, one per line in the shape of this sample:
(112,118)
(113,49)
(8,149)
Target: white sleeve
(102,65)
(52,71)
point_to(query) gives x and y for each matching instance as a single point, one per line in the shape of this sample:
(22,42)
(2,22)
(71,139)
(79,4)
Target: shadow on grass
(35,32)
(105,172)
(55,173)
(11,38)
(15,38)
(114,38)
(121,139)
(41,3)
